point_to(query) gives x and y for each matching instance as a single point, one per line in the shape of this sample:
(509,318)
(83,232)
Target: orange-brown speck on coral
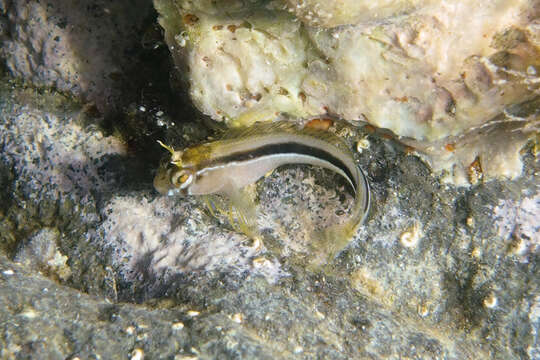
(369,129)
(190,19)
(320,124)
(232,28)
(451,147)
(402,99)
(283,91)
(217,27)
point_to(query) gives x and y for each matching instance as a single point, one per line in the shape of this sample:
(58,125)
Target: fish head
(172,179)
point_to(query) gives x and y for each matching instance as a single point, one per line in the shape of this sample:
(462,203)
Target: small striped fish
(225,166)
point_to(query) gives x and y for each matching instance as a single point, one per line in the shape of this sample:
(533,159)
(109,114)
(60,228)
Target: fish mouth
(162,181)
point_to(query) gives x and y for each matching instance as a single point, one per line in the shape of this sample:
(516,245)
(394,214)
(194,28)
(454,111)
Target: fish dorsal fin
(267,128)
(260,128)
(327,136)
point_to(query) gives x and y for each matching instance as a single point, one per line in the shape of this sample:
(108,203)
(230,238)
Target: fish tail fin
(328,243)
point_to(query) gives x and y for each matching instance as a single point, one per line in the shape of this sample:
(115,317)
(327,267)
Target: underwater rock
(85,48)
(436,271)
(41,252)
(442,70)
(335,13)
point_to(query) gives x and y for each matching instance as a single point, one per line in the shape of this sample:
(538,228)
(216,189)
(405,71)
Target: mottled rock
(335,13)
(436,271)
(95,264)
(85,48)
(40,252)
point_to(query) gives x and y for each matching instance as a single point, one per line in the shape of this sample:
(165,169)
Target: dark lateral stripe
(284,148)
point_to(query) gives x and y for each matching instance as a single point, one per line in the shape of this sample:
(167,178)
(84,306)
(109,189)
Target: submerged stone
(431,72)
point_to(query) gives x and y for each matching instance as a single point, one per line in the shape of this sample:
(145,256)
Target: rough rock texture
(345,12)
(443,70)
(87,48)
(437,270)
(95,264)
(437,72)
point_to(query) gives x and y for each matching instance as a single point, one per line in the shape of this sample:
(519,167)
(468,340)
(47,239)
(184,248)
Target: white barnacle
(410,237)
(237,318)
(423,310)
(362,144)
(490,301)
(137,354)
(181,39)
(177,326)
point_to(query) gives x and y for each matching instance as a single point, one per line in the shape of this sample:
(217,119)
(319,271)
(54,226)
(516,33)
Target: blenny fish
(226,166)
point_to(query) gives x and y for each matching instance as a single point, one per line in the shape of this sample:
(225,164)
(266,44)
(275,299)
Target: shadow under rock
(149,284)
(104,37)
(194,287)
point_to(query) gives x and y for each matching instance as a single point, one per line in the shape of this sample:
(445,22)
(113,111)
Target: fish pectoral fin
(225,208)
(240,209)
(210,203)
(243,203)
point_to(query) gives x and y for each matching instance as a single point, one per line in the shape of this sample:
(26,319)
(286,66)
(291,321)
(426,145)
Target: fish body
(225,166)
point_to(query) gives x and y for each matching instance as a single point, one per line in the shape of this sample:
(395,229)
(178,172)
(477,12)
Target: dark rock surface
(437,271)
(94,264)
(91,49)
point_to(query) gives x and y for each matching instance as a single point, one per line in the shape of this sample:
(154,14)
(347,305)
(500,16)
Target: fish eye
(182,179)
